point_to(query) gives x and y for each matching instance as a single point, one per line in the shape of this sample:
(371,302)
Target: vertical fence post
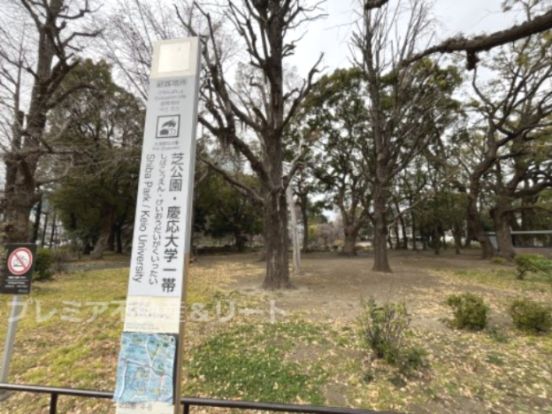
(16,309)
(53,403)
(186,408)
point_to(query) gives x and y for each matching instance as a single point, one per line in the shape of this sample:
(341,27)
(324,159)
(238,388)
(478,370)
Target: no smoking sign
(19,266)
(20,261)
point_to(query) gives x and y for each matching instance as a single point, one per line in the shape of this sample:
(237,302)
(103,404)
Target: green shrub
(43,265)
(411,359)
(470,312)
(531,316)
(532,263)
(384,329)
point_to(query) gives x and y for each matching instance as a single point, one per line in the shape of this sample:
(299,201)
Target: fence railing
(187,402)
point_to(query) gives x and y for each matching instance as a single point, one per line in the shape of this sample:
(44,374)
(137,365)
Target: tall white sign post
(149,365)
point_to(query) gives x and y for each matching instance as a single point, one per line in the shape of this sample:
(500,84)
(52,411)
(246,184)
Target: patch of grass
(495,359)
(69,334)
(503,278)
(498,370)
(249,362)
(497,334)
(500,261)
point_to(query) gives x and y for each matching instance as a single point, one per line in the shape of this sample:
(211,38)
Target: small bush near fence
(470,312)
(531,316)
(532,263)
(50,261)
(384,329)
(43,268)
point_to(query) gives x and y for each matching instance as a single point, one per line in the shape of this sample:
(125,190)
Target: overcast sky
(332,34)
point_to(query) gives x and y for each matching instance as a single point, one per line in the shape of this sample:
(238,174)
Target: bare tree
(265,108)
(515,106)
(404,103)
(36,58)
(128,39)
(481,43)
(528,174)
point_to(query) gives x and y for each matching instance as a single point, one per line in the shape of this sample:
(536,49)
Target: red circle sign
(20,261)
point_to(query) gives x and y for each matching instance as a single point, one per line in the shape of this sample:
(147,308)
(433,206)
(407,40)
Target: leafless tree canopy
(265,108)
(35,61)
(481,43)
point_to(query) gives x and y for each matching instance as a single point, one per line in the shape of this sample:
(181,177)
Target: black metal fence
(187,402)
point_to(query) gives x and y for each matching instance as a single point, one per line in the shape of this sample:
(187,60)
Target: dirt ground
(331,288)
(499,370)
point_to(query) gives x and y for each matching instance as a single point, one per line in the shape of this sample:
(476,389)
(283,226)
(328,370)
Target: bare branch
(240,186)
(484,43)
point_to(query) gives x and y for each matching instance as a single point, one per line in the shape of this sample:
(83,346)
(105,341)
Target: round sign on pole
(20,261)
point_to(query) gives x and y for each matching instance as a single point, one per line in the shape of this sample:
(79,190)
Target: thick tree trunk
(53,231)
(503,232)
(22,159)
(476,228)
(350,236)
(276,241)
(20,197)
(16,222)
(436,242)
(403,231)
(20,190)
(44,229)
(239,241)
(381,261)
(111,239)
(469,235)
(106,230)
(119,238)
(395,245)
(38,216)
(100,246)
(305,218)
(457,235)
(414,239)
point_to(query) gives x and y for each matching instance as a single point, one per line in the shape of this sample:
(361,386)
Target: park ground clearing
(301,345)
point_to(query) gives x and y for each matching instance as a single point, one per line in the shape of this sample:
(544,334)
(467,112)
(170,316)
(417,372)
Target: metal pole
(293,230)
(10,340)
(53,404)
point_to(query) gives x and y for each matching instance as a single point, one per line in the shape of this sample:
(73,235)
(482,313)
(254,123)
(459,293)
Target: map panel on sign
(145,372)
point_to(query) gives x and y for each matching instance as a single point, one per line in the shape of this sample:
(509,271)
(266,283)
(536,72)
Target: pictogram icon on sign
(168,126)
(20,261)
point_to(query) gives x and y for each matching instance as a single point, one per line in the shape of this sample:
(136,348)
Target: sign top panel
(175,58)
